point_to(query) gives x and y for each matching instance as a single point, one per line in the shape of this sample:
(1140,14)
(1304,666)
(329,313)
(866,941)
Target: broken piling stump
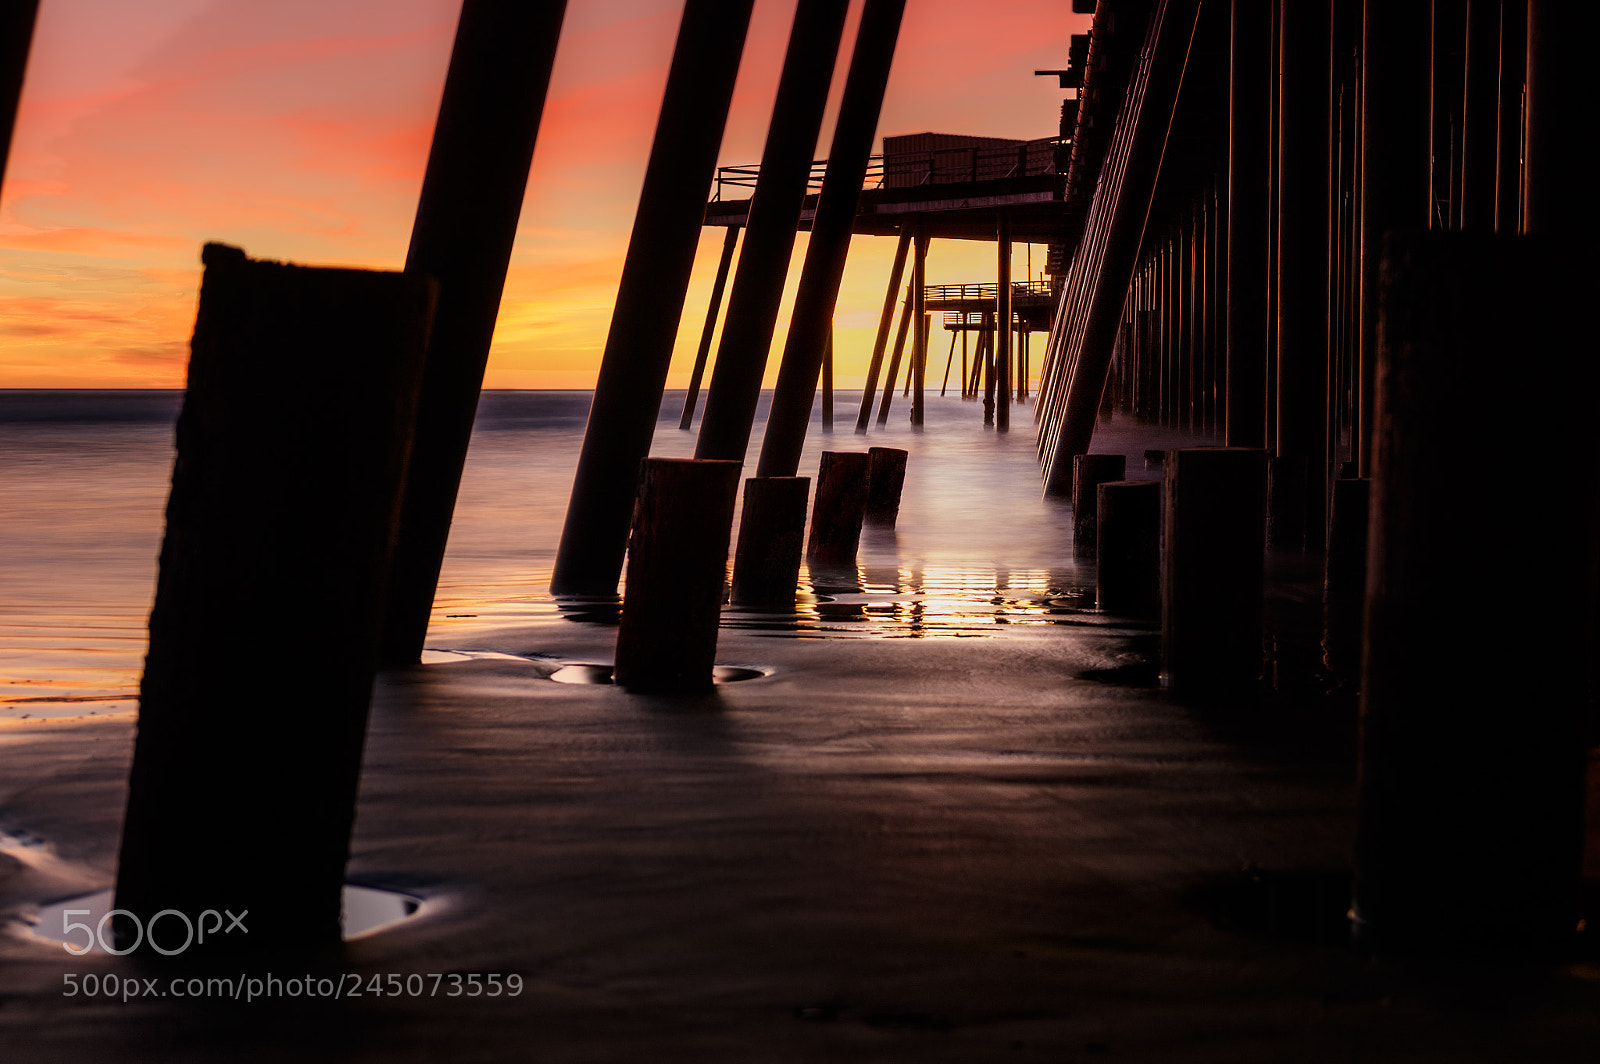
(1128,539)
(291,455)
(840,506)
(1089,471)
(1213,547)
(886,479)
(772,532)
(677,566)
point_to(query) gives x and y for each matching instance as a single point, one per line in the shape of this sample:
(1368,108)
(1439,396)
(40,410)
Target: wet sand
(924,834)
(937,849)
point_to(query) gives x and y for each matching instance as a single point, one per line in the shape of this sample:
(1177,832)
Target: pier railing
(938,166)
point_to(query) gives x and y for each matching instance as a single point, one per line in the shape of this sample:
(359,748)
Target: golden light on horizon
(299,131)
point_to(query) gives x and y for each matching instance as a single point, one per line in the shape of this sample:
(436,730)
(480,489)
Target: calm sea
(83,480)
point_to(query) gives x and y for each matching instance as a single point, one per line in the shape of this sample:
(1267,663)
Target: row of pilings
(231,806)
(1350,240)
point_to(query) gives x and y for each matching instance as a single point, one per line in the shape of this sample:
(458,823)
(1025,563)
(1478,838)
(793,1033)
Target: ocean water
(84,474)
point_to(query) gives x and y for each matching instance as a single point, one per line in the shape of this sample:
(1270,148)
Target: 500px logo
(194,931)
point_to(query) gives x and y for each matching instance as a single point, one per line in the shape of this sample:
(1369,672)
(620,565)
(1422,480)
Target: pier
(1201,665)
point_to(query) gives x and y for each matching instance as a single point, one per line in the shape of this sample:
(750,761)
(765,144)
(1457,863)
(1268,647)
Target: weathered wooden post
(1089,471)
(886,477)
(1345,579)
(840,507)
(772,532)
(769,235)
(1472,727)
(291,456)
(466,220)
(655,276)
(677,566)
(1213,549)
(1128,541)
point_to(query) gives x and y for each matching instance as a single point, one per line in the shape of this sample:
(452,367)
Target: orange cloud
(299,130)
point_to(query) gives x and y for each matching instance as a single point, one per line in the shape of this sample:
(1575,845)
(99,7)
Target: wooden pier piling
(886,479)
(1213,548)
(1089,471)
(16,40)
(286,495)
(1128,547)
(880,340)
(809,344)
(1288,485)
(472,194)
(839,509)
(919,322)
(1472,720)
(692,398)
(1003,329)
(1394,183)
(655,277)
(1302,279)
(677,567)
(1345,579)
(772,533)
(774,218)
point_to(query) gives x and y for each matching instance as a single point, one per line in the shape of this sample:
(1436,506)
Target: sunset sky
(298,130)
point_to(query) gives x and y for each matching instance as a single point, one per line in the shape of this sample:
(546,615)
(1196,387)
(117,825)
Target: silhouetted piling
(291,455)
(655,276)
(1480,115)
(809,344)
(1508,117)
(1128,547)
(1215,525)
(1345,579)
(1394,188)
(1302,279)
(769,234)
(840,507)
(16,39)
(1472,756)
(1558,185)
(677,567)
(894,358)
(1249,205)
(886,478)
(881,340)
(692,397)
(772,533)
(1287,488)
(1003,331)
(919,322)
(466,219)
(1089,471)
